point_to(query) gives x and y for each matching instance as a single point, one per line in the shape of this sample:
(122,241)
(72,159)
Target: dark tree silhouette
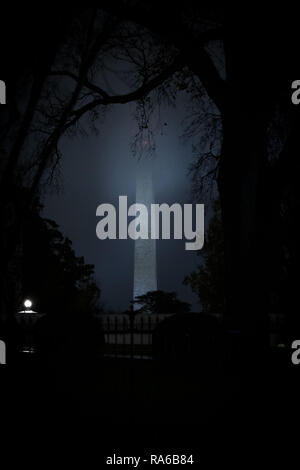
(56,95)
(52,275)
(246,97)
(160,302)
(207,282)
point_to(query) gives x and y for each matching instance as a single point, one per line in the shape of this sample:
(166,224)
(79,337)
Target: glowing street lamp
(27,319)
(27,304)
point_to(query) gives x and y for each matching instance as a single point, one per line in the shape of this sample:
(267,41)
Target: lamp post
(27,319)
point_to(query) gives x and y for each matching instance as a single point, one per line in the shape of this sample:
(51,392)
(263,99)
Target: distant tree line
(52,274)
(156,302)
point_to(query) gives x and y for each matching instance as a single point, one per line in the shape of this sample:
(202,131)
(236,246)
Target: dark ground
(119,406)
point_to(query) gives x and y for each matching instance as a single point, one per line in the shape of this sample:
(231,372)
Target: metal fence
(129,335)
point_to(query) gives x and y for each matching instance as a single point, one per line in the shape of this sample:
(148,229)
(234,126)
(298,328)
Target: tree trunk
(243,187)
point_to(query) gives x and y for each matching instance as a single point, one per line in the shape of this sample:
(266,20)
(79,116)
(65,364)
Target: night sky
(97,169)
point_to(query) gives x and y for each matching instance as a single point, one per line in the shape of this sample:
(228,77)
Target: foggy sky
(97,169)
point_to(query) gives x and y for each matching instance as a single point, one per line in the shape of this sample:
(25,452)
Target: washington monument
(145,276)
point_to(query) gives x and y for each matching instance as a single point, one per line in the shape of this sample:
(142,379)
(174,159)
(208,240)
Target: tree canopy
(52,274)
(207,282)
(160,302)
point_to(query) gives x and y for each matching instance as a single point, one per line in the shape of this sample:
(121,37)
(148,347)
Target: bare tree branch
(175,33)
(132,96)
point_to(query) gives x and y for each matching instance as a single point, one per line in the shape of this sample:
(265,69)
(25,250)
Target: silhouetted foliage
(161,302)
(207,282)
(52,274)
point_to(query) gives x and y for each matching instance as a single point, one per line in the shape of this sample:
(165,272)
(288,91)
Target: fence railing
(129,335)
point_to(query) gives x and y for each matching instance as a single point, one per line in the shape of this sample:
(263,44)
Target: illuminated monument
(145,278)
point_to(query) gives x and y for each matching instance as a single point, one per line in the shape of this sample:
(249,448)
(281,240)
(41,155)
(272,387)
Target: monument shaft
(145,274)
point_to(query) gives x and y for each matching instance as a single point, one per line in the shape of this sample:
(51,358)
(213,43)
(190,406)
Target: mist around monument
(116,175)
